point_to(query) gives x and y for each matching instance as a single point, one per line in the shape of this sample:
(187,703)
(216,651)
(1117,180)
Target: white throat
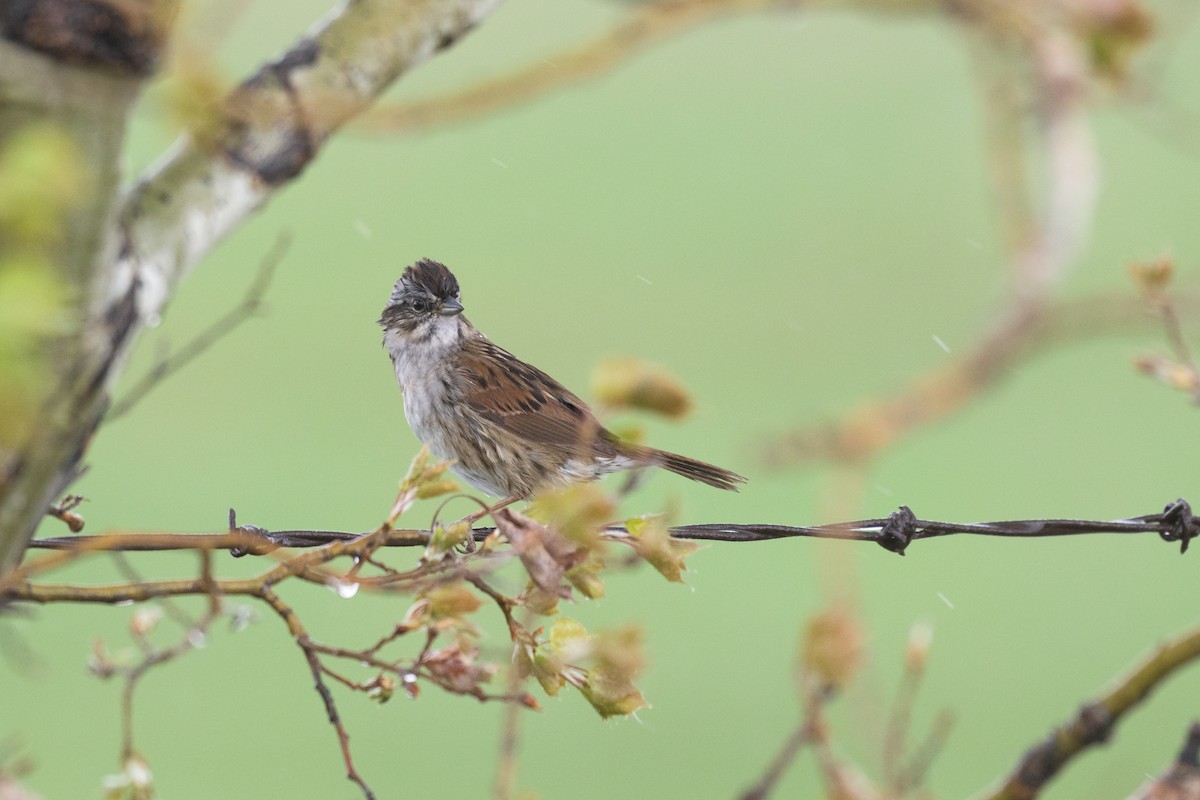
(420,352)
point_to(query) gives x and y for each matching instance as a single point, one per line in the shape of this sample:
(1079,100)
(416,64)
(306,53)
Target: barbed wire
(895,533)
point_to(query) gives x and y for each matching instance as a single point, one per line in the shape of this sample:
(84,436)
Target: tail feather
(696,470)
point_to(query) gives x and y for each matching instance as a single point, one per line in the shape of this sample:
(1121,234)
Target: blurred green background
(782,210)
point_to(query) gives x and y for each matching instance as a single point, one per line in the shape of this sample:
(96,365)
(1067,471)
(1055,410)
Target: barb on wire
(895,532)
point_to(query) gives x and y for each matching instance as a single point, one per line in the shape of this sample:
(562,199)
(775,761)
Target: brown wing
(527,402)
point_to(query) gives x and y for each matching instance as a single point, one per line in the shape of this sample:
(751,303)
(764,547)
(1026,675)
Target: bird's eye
(420,305)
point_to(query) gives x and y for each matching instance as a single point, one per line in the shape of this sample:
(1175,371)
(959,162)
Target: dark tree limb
(1182,780)
(264,134)
(1095,721)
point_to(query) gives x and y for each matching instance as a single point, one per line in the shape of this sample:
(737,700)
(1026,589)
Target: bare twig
(504,786)
(172,609)
(913,773)
(64,510)
(1020,335)
(226,324)
(298,632)
(194,634)
(644,26)
(1178,371)
(899,724)
(802,735)
(1095,721)
(1041,250)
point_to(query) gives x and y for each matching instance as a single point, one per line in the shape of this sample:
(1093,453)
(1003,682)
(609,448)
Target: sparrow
(510,429)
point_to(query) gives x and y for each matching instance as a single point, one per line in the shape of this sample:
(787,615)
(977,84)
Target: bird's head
(424,307)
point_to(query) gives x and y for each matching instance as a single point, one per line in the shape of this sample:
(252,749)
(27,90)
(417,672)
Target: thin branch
(222,327)
(504,785)
(645,26)
(64,511)
(1016,337)
(899,724)
(298,632)
(1178,371)
(172,609)
(913,774)
(1095,721)
(802,735)
(1041,251)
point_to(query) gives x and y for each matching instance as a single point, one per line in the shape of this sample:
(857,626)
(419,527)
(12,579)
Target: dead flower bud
(546,659)
(577,512)
(651,538)
(417,616)
(613,695)
(618,658)
(11,789)
(424,473)
(547,668)
(1152,277)
(437,488)
(1114,31)
(569,639)
(381,688)
(629,383)
(452,600)
(541,602)
(832,647)
(620,650)
(144,620)
(1170,373)
(546,554)
(920,637)
(99,663)
(134,782)
(456,667)
(241,617)
(524,664)
(443,540)
(586,577)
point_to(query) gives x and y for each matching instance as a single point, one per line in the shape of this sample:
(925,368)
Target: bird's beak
(450,308)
